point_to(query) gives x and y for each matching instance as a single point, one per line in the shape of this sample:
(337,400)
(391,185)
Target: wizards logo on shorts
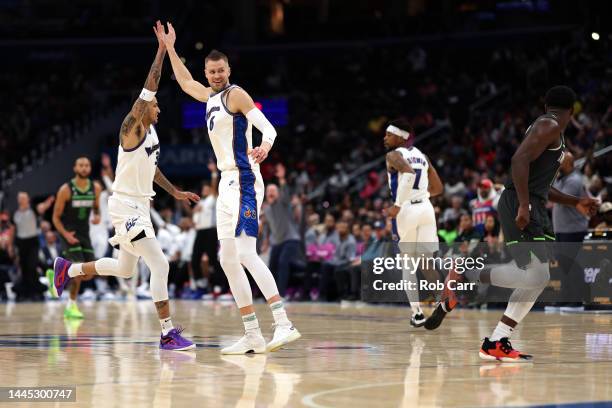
(129,224)
(248,213)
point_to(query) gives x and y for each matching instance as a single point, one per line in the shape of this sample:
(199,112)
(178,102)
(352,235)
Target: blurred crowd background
(470,78)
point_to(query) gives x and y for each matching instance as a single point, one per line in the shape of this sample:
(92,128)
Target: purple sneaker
(174,341)
(60,274)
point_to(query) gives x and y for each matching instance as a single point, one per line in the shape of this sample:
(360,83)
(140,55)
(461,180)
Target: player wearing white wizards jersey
(230,115)
(412,180)
(129,207)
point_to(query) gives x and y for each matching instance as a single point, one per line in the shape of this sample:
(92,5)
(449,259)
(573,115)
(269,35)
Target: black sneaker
(435,320)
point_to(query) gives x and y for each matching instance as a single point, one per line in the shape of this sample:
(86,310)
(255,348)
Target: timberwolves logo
(130,223)
(248,213)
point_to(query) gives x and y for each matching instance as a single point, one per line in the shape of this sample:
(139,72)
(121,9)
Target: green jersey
(78,209)
(543,170)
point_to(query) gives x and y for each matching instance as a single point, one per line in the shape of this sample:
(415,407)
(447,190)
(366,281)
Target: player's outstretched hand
(588,206)
(159,31)
(170,37)
(95,219)
(187,195)
(522,218)
(258,154)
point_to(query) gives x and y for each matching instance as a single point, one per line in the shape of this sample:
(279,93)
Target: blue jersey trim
(223,102)
(248,220)
(394,182)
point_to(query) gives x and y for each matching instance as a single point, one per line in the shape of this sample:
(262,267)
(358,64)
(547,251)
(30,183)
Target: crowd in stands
(340,104)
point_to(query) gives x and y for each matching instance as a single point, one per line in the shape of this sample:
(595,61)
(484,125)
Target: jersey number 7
(417,178)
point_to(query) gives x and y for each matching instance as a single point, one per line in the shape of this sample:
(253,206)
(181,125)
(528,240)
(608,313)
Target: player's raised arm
(190,86)
(133,119)
(544,133)
(240,101)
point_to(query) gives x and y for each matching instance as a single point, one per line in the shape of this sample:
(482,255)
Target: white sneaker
(417,320)
(283,334)
(249,343)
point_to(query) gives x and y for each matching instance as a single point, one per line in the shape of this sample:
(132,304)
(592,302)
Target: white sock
(75,269)
(166,325)
(279,314)
(502,330)
(251,324)
(70,303)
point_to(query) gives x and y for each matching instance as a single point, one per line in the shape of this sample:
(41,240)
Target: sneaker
(249,343)
(174,341)
(417,320)
(501,350)
(435,320)
(60,274)
(50,285)
(448,295)
(283,334)
(73,312)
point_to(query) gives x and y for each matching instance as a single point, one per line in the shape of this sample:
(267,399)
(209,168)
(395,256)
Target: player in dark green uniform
(75,202)
(524,219)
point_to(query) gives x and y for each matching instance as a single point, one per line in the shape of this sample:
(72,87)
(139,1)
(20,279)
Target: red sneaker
(501,350)
(447,302)
(449,297)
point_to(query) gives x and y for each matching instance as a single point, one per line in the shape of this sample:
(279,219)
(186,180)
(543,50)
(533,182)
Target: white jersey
(230,134)
(407,187)
(136,167)
(241,188)
(204,216)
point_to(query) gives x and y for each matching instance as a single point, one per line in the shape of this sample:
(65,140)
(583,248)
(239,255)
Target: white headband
(399,132)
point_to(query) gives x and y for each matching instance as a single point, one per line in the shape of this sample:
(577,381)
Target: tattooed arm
(132,130)
(164,183)
(395,161)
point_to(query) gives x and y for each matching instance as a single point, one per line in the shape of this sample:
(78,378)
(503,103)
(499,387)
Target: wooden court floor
(348,357)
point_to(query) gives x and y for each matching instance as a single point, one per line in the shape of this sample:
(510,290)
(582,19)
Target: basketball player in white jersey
(412,180)
(230,115)
(129,207)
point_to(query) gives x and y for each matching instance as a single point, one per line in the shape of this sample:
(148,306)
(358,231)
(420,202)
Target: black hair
(215,55)
(560,96)
(81,157)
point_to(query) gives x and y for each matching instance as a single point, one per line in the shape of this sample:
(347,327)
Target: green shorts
(537,233)
(81,252)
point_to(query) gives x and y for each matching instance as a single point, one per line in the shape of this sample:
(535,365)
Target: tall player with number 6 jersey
(230,115)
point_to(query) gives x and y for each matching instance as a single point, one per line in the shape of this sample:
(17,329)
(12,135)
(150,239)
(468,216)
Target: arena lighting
(199,45)
(595,36)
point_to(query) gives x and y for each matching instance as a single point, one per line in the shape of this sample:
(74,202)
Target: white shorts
(130,216)
(416,223)
(239,202)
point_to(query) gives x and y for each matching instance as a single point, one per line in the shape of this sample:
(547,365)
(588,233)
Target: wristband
(147,95)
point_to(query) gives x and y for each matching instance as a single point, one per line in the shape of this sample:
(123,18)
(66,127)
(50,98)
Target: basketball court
(357,356)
